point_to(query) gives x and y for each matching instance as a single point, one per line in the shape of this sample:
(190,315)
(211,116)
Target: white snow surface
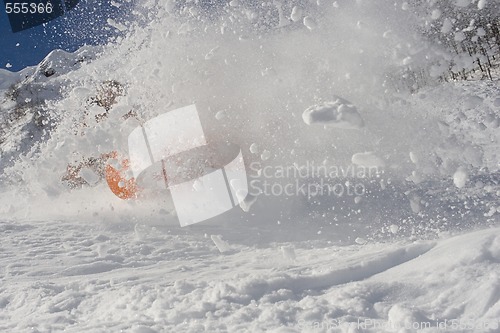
(109,277)
(410,248)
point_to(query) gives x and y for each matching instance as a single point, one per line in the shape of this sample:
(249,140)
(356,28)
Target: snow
(266,154)
(254,148)
(310,23)
(340,114)
(414,246)
(367,159)
(296,13)
(460,177)
(221,245)
(447,26)
(160,283)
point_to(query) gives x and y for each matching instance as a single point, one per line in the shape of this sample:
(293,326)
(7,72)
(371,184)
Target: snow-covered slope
(391,170)
(117,277)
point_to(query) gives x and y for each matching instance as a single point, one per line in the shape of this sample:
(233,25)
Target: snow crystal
(394,228)
(415,204)
(221,244)
(413,157)
(220,115)
(211,53)
(116,25)
(360,241)
(296,14)
(481,4)
(310,23)
(254,148)
(387,34)
(460,177)
(339,114)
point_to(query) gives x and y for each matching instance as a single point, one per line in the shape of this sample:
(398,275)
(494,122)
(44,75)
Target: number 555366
(28,8)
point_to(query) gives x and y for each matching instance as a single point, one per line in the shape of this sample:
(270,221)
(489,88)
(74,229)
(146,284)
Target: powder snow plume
(252,69)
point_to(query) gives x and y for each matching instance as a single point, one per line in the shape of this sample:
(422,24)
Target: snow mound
(338,114)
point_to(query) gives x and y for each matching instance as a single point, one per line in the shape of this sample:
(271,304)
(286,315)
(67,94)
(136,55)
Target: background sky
(86,24)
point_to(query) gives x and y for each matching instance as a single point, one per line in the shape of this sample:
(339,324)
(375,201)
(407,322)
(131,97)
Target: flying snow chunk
(310,23)
(360,241)
(415,204)
(220,115)
(338,114)
(481,4)
(394,228)
(116,25)
(254,149)
(460,177)
(221,244)
(288,252)
(368,159)
(296,14)
(414,157)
